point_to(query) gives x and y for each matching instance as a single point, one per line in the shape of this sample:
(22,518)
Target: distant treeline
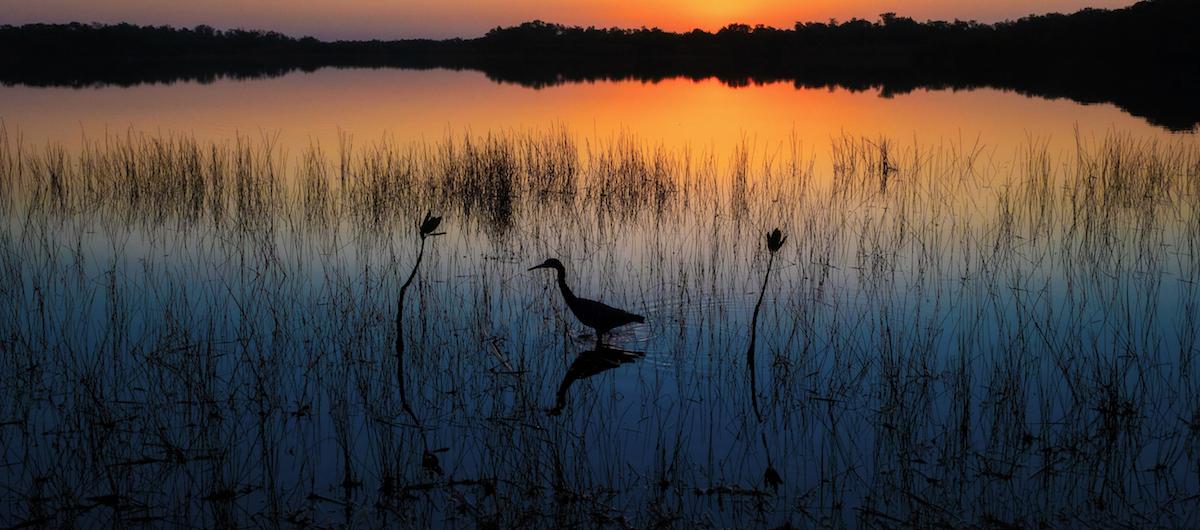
(1145,57)
(1159,31)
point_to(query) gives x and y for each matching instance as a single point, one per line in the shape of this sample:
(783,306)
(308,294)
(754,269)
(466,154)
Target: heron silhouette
(596,315)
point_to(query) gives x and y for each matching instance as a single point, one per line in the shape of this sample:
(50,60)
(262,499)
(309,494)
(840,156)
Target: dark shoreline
(1144,59)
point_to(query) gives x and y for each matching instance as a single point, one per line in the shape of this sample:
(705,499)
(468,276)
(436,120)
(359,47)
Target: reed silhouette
(426,230)
(587,364)
(775,240)
(596,315)
(1015,349)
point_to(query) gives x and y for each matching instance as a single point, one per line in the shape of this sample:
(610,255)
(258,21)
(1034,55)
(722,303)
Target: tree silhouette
(1093,55)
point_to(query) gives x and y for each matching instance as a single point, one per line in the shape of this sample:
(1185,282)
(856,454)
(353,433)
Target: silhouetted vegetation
(1092,55)
(427,229)
(775,240)
(200,334)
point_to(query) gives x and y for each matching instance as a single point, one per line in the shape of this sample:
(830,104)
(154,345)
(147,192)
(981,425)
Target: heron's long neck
(562,286)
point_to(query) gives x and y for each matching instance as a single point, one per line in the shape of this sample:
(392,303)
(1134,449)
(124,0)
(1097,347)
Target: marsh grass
(203,334)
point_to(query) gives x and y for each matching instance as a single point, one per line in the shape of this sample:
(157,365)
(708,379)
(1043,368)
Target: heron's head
(549,264)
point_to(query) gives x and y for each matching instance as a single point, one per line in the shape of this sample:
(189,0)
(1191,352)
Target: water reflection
(348,111)
(587,364)
(214,338)
(1169,105)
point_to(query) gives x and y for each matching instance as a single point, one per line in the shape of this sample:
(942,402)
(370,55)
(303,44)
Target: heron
(596,315)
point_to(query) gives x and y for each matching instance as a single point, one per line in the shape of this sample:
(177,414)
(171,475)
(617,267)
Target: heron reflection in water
(588,364)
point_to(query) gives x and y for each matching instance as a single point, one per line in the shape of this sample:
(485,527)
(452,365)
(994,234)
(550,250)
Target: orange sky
(446,18)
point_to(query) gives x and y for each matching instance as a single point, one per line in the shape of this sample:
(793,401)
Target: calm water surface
(984,314)
(407,105)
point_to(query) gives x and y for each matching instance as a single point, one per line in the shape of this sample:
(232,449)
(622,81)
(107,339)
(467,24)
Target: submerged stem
(754,339)
(400,333)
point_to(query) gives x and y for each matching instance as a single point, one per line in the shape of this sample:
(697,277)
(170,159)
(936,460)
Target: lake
(984,312)
(409,105)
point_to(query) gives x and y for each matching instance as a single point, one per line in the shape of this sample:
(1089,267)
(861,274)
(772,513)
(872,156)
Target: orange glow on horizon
(387,19)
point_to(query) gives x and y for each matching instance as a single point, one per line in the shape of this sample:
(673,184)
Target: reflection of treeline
(1143,58)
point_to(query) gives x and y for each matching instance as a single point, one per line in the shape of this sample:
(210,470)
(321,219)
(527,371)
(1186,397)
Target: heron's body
(596,315)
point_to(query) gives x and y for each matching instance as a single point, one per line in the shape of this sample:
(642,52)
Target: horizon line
(831,20)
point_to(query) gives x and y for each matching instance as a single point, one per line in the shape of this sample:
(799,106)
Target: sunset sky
(386,19)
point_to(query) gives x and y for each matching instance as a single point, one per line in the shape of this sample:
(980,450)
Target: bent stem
(754,339)
(400,334)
